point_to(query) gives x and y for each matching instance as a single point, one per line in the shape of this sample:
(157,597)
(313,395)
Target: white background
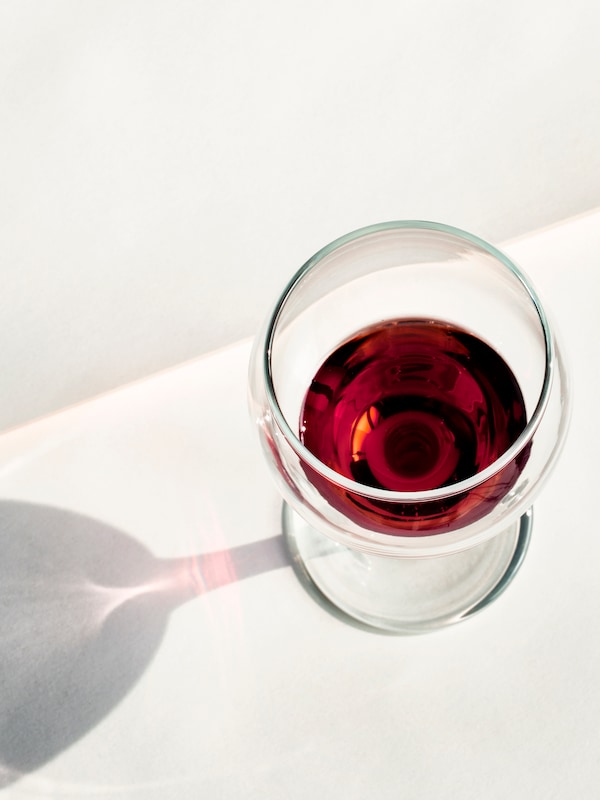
(165,166)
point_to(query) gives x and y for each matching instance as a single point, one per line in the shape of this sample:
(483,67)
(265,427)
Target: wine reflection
(83,608)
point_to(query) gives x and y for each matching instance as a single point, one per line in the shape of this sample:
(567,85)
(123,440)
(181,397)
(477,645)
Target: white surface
(166,166)
(112,686)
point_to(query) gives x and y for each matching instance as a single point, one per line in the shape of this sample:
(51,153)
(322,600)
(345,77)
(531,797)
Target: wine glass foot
(403,595)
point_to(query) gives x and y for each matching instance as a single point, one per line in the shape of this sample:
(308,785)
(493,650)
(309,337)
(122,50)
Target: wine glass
(411,399)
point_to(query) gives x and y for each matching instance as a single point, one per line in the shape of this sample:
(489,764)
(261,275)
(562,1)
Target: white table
(132,667)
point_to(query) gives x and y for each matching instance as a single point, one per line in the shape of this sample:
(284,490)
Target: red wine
(408,406)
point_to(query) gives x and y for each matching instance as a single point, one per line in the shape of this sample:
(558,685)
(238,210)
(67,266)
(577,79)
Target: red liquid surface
(413,405)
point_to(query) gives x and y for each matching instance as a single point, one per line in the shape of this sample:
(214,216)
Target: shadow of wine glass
(83,608)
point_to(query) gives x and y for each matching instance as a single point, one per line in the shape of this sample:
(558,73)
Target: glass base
(403,595)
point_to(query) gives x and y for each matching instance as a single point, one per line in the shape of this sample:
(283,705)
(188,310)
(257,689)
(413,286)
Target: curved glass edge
(434,494)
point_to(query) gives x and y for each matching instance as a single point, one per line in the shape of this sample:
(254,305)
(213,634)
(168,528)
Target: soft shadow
(83,608)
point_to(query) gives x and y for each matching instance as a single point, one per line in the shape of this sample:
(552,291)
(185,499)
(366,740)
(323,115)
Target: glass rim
(388,495)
